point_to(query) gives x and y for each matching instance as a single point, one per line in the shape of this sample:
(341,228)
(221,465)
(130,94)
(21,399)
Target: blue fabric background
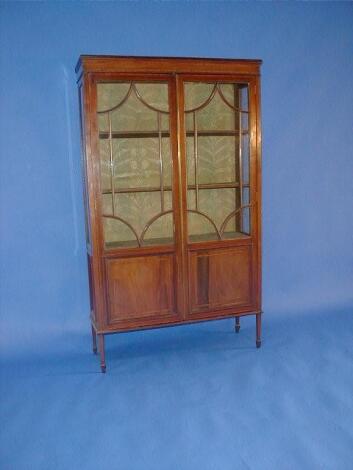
(196,396)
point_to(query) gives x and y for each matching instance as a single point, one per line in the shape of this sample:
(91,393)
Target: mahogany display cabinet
(172,180)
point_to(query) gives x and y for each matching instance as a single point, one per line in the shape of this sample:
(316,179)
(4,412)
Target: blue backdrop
(307,110)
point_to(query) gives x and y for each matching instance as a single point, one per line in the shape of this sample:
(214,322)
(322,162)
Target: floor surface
(191,397)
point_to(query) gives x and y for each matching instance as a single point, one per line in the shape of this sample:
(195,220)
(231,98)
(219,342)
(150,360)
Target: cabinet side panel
(259,194)
(140,287)
(87,94)
(255,186)
(84,167)
(220,278)
(91,287)
(86,199)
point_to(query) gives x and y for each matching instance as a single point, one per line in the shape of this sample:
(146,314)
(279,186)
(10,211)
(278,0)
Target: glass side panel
(218,159)
(84,170)
(136,163)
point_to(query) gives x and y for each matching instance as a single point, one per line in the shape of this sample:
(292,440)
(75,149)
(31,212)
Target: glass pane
(136,163)
(218,159)
(84,172)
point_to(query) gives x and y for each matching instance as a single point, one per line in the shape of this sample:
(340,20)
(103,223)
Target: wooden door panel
(220,278)
(140,287)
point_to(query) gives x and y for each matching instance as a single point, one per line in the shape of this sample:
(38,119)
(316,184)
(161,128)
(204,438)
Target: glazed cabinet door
(219,132)
(135,177)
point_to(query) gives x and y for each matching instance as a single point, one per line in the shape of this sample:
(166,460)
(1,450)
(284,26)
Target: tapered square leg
(94,340)
(102,352)
(258,330)
(237,324)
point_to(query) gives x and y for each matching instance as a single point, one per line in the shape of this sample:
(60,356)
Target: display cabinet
(171,163)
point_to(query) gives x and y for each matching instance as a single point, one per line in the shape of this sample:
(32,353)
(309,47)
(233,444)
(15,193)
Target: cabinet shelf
(152,189)
(154,134)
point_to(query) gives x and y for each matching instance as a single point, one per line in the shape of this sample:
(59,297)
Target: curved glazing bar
(208,218)
(138,96)
(113,108)
(229,216)
(205,103)
(217,89)
(115,217)
(224,99)
(153,108)
(151,221)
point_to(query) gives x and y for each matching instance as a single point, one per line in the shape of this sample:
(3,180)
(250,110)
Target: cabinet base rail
(101,339)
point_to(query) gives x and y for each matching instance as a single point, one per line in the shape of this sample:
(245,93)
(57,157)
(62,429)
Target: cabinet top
(108,63)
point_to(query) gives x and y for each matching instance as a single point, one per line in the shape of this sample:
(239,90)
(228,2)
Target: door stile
(181,184)
(253,183)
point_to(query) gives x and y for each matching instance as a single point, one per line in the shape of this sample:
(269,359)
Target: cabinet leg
(237,324)
(258,330)
(94,340)
(102,352)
